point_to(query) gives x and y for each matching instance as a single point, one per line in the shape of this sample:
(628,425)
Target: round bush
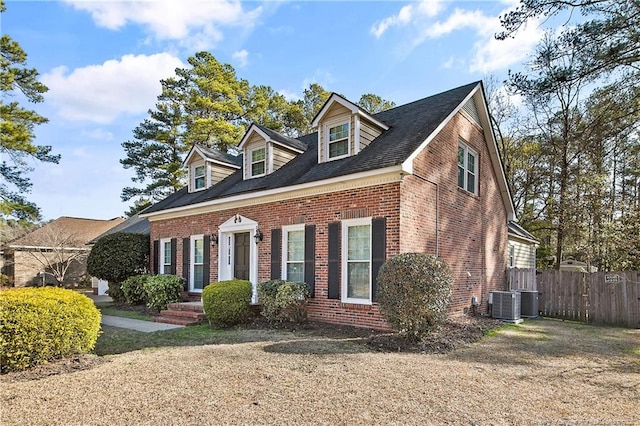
(133,289)
(226,303)
(283,300)
(414,293)
(118,256)
(38,325)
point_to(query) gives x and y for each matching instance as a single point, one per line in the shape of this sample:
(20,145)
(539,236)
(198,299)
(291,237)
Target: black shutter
(378,251)
(206,262)
(156,256)
(174,254)
(276,255)
(310,258)
(186,260)
(334,261)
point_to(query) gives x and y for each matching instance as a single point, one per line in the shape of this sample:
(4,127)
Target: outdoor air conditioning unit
(505,305)
(529,303)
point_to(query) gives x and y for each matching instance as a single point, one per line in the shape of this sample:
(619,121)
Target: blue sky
(103,61)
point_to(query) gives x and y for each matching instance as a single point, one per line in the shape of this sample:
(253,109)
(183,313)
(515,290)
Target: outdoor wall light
(214,239)
(258,236)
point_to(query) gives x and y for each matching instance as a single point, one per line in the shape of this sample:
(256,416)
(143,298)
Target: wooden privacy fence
(611,298)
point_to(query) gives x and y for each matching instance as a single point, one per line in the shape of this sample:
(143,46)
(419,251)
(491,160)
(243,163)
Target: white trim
(465,166)
(285,253)
(226,261)
(263,135)
(160,260)
(356,134)
(341,183)
(346,224)
(192,176)
(14,247)
(250,152)
(355,109)
(192,254)
(326,136)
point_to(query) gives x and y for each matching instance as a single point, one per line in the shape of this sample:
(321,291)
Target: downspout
(437,208)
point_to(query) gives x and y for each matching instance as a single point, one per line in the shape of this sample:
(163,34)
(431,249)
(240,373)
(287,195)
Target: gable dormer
(265,151)
(344,129)
(208,166)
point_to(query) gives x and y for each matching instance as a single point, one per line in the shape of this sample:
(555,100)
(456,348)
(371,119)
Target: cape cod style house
(330,207)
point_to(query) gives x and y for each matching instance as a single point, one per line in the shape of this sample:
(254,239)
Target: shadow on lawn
(301,340)
(537,341)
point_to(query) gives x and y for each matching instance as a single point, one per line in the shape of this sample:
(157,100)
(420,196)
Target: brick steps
(188,313)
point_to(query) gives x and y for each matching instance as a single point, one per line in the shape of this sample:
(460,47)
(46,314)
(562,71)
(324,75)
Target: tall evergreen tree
(17,130)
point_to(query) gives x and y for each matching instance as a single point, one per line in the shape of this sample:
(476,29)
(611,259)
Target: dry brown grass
(543,372)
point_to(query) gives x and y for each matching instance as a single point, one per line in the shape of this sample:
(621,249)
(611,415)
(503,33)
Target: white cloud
(488,54)
(289,95)
(101,93)
(97,134)
(492,54)
(407,15)
(195,23)
(81,152)
(241,57)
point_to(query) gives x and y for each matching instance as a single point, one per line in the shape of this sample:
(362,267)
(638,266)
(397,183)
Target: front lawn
(541,372)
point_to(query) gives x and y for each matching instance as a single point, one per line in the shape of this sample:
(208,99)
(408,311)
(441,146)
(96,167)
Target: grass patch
(115,311)
(114,340)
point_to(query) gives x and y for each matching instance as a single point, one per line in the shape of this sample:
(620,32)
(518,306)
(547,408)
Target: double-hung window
(165,256)
(199,177)
(293,253)
(197,262)
(356,261)
(258,162)
(338,141)
(467,168)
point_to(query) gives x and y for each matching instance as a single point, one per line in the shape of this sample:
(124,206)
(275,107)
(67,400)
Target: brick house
(330,207)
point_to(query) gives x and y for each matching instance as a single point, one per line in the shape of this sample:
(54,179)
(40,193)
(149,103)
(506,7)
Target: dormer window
(199,177)
(258,162)
(338,141)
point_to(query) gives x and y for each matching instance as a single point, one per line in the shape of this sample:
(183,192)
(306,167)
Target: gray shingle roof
(410,125)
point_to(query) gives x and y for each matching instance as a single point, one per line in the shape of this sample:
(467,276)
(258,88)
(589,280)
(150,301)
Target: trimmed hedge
(161,290)
(38,325)
(226,303)
(133,289)
(414,293)
(283,300)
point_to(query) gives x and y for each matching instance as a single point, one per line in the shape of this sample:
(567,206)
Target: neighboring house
(330,207)
(522,258)
(57,244)
(522,247)
(571,265)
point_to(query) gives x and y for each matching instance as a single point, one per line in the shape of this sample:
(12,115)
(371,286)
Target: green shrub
(133,289)
(162,290)
(227,302)
(118,256)
(114,291)
(38,325)
(414,293)
(283,300)
(5,281)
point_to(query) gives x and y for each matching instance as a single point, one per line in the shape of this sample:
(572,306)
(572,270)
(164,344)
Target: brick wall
(471,231)
(319,210)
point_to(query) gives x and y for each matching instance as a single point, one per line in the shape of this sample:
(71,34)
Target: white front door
(238,252)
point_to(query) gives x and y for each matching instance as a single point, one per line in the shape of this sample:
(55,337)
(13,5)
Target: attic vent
(471,111)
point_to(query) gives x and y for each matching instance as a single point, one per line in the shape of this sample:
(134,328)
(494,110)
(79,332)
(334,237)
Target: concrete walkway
(138,325)
(131,324)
